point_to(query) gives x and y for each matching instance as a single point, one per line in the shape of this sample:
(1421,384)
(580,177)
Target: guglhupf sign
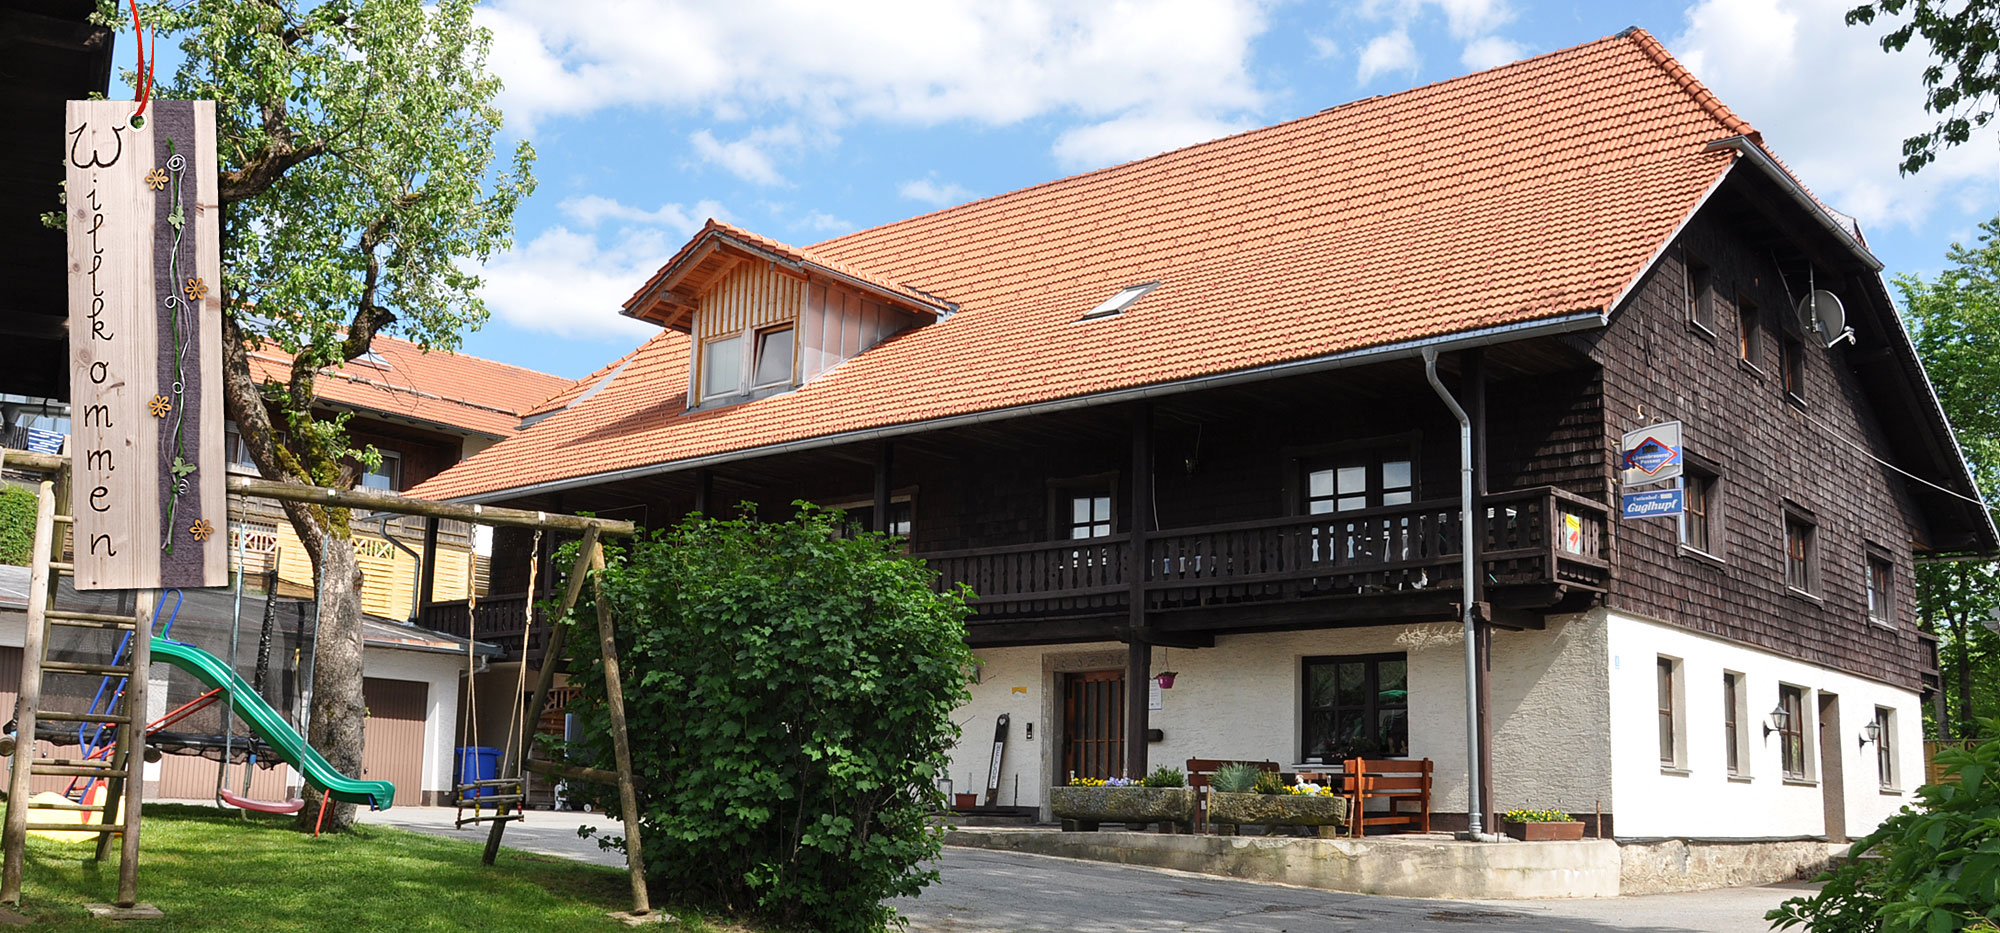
(145,331)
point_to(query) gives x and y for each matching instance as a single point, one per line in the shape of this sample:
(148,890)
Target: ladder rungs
(467,803)
(90,807)
(84,667)
(63,518)
(78,615)
(509,818)
(488,782)
(77,827)
(60,716)
(62,566)
(74,771)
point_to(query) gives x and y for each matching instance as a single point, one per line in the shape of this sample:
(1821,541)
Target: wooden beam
(573,772)
(374,500)
(621,748)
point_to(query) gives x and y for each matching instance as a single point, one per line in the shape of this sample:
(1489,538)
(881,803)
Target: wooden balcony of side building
(1541,550)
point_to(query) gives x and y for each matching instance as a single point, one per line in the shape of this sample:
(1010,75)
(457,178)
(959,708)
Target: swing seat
(293,805)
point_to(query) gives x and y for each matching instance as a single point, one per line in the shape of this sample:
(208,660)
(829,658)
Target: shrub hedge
(17,525)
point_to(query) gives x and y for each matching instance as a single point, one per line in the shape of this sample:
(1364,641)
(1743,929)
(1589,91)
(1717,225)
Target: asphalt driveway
(984,891)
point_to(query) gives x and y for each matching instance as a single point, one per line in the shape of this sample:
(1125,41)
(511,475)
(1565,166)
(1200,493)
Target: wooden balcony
(496,621)
(1540,548)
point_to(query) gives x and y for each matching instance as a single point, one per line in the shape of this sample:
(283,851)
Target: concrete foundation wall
(1676,865)
(1394,867)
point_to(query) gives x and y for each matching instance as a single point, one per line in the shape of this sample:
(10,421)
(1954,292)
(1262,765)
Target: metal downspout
(1474,813)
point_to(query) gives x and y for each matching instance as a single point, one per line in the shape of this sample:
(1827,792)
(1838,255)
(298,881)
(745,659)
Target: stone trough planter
(1083,808)
(1229,811)
(1544,832)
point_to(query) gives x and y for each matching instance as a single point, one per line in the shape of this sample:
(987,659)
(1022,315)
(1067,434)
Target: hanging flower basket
(1083,808)
(1327,813)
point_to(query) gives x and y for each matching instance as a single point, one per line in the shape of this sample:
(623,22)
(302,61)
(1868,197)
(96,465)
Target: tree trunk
(338,717)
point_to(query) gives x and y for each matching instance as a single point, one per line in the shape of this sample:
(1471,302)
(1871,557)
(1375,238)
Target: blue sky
(803,120)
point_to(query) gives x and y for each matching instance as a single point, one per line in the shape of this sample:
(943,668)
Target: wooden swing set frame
(516,756)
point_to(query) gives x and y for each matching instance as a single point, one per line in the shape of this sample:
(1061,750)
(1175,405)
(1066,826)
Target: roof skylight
(1120,301)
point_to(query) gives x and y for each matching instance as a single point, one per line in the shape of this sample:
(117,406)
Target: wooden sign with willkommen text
(145,332)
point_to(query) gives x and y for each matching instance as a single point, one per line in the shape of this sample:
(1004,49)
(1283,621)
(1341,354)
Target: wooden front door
(1094,724)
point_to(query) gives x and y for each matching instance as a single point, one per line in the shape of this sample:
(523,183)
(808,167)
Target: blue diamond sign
(1651,454)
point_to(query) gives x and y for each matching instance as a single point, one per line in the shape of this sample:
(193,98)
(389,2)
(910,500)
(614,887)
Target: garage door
(395,736)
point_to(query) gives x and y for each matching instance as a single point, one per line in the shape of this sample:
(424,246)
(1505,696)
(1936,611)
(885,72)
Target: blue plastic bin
(477,763)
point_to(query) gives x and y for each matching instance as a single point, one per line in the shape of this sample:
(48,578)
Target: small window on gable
(1121,301)
(1881,589)
(1801,553)
(722,366)
(774,356)
(1701,295)
(1795,370)
(1698,518)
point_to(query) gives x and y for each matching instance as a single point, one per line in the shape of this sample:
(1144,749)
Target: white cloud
(565,283)
(918,62)
(591,210)
(1492,52)
(749,158)
(823,222)
(1834,106)
(1324,47)
(933,192)
(1136,136)
(1387,53)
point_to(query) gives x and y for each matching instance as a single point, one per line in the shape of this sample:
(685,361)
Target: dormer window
(1119,302)
(722,366)
(774,356)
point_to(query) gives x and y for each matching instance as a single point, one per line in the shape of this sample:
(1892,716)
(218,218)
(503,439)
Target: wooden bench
(1406,785)
(1199,770)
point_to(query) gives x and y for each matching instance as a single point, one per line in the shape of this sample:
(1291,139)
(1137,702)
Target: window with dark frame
(1792,737)
(1089,514)
(387,474)
(1356,704)
(1701,295)
(1749,330)
(1698,516)
(1800,553)
(1669,747)
(1885,754)
(1794,364)
(1881,582)
(1359,480)
(1732,690)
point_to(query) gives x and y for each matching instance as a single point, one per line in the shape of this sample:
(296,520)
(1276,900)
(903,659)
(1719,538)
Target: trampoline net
(268,633)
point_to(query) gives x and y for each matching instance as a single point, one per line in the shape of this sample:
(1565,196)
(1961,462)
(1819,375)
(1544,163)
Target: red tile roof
(1528,192)
(464,392)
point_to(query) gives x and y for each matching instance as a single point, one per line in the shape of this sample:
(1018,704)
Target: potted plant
(1541,825)
(1162,797)
(1242,794)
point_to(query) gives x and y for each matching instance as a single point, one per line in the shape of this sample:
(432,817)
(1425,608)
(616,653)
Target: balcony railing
(1533,536)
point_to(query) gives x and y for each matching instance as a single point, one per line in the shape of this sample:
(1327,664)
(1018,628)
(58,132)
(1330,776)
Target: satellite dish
(1821,312)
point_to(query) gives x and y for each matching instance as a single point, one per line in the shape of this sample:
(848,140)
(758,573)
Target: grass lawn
(214,870)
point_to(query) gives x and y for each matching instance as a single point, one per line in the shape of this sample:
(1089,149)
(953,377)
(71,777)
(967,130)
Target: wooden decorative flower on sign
(157,178)
(160,406)
(201,529)
(194,289)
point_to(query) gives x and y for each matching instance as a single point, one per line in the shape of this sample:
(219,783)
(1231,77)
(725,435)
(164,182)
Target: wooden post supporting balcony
(884,455)
(704,487)
(427,573)
(1139,651)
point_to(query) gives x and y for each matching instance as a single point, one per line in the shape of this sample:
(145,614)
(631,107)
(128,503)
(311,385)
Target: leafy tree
(1955,322)
(1964,36)
(1934,867)
(356,148)
(788,696)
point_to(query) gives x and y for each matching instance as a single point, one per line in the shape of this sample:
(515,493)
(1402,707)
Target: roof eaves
(1521,330)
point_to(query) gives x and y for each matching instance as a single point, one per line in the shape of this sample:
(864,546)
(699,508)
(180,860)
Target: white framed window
(1735,725)
(1884,730)
(387,475)
(774,356)
(1672,697)
(722,366)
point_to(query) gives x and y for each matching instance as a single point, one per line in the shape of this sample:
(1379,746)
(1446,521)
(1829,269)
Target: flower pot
(1543,832)
(1233,810)
(964,801)
(1083,808)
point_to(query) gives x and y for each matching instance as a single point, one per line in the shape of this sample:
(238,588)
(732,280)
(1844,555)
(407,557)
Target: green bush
(1937,862)
(17,525)
(1164,776)
(788,697)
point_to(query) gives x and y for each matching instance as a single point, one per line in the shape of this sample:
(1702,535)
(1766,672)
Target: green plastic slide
(271,727)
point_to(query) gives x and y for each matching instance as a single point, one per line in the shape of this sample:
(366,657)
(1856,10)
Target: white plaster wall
(441,672)
(1010,682)
(1705,802)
